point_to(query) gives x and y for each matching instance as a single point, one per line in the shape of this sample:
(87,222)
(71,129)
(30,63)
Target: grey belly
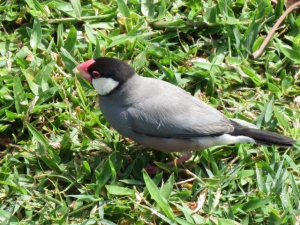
(169,144)
(116,118)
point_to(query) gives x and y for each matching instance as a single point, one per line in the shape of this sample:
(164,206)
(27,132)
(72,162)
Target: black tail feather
(262,136)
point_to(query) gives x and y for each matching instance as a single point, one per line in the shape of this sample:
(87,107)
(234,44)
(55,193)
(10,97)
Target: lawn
(61,162)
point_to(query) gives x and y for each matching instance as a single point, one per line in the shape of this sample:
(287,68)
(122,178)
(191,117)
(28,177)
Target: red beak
(83,70)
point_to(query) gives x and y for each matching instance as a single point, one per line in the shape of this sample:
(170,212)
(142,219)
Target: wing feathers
(177,119)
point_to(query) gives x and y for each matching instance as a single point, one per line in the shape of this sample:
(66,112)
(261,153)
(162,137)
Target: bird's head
(105,74)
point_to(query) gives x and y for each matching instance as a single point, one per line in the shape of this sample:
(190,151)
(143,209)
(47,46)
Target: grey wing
(176,117)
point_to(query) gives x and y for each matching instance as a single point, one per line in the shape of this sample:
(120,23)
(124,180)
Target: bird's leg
(185,157)
(151,169)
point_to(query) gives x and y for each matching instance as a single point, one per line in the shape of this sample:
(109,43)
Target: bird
(162,116)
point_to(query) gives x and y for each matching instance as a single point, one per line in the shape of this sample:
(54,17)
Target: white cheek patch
(104,85)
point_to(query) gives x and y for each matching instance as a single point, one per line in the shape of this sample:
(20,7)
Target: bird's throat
(104,85)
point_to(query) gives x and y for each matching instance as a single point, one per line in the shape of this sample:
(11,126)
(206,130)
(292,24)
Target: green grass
(61,163)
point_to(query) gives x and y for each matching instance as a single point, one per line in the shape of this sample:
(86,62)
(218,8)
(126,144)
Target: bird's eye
(96,74)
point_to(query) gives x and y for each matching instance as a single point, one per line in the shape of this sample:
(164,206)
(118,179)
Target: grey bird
(162,116)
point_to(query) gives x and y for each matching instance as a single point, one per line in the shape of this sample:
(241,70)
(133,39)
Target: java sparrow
(162,116)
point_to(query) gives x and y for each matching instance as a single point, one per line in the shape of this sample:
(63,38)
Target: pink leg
(186,156)
(151,169)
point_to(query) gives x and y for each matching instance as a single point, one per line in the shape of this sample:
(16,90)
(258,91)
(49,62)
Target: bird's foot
(151,169)
(186,156)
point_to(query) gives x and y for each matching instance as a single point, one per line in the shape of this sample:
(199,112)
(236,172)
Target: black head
(110,68)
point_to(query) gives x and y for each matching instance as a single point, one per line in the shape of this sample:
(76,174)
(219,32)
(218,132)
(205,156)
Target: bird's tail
(262,136)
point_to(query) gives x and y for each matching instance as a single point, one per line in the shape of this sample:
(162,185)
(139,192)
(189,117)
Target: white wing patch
(104,85)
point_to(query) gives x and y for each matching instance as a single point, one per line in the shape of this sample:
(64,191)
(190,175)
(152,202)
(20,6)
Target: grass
(61,163)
